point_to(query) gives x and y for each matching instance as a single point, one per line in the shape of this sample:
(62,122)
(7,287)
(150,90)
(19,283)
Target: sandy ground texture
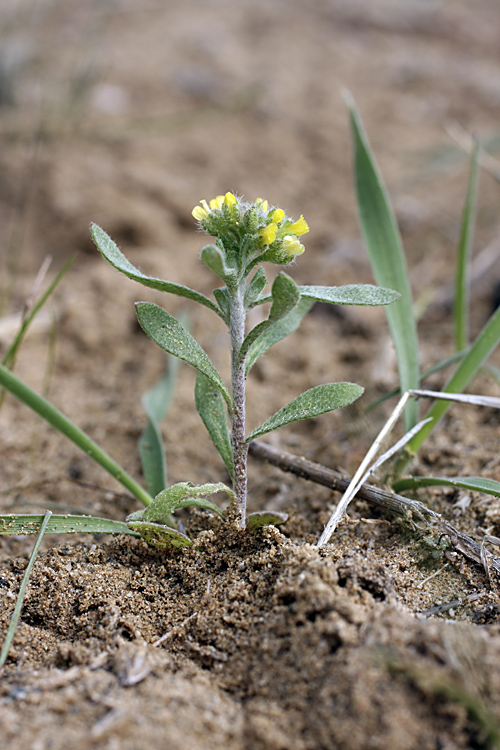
(127,114)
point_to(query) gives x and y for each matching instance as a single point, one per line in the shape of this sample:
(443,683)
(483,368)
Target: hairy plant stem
(238,444)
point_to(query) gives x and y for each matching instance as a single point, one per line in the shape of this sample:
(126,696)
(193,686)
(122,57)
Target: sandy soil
(127,114)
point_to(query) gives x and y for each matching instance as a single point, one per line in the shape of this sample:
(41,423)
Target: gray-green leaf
(212,411)
(158,535)
(265,518)
(255,288)
(111,252)
(350,294)
(168,333)
(312,403)
(285,296)
(181,495)
(276,332)
(223,300)
(212,257)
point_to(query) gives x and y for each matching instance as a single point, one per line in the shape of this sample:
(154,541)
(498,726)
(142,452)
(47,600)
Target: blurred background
(128,112)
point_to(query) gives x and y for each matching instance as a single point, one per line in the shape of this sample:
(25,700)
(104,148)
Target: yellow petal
(278,215)
(269,234)
(217,202)
(229,199)
(199,213)
(299,227)
(292,246)
(263,204)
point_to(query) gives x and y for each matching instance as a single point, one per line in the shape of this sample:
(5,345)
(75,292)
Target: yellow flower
(292,246)
(268,234)
(278,215)
(299,227)
(229,199)
(262,204)
(217,202)
(199,213)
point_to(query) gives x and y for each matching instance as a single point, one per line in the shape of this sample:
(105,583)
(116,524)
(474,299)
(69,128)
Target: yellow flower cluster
(201,212)
(279,227)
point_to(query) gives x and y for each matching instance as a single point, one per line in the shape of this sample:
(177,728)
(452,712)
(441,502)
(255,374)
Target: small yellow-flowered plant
(245,235)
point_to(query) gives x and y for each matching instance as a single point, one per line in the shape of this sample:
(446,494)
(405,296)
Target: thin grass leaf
(10,357)
(170,335)
(482,347)
(461,300)
(53,416)
(110,251)
(475,484)
(212,410)
(426,374)
(312,403)
(14,524)
(383,242)
(22,591)
(276,332)
(156,403)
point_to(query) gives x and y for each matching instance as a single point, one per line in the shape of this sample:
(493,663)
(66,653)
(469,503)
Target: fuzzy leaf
(222,298)
(168,333)
(212,257)
(66,524)
(181,495)
(111,252)
(475,484)
(160,536)
(350,294)
(285,296)
(212,411)
(312,403)
(255,288)
(265,518)
(276,332)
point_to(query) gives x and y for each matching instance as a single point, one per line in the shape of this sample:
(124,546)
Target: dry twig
(411,512)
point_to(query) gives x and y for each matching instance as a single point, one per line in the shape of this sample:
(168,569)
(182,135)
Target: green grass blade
(461,301)
(10,356)
(478,352)
(53,416)
(475,484)
(426,374)
(383,241)
(22,591)
(156,403)
(14,524)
